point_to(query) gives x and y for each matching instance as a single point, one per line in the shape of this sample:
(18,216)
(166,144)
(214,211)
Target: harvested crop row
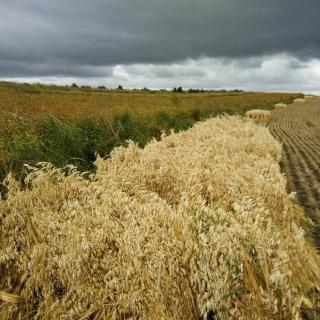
(198,223)
(259,115)
(281,106)
(301,161)
(299,100)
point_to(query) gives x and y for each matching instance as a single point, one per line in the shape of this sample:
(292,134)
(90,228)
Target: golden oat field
(188,215)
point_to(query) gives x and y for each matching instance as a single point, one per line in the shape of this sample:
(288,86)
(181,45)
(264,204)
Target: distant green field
(66,125)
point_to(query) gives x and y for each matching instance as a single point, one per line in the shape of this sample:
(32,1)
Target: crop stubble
(298,128)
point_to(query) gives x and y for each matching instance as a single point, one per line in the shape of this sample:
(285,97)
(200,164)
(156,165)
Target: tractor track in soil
(298,129)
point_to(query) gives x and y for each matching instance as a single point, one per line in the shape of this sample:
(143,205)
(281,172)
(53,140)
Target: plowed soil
(298,128)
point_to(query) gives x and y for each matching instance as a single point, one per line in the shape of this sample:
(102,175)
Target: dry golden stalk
(10,298)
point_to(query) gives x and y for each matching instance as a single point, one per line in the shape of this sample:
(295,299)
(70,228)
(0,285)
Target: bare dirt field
(298,128)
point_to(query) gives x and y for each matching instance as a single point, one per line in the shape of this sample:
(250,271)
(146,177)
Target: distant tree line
(175,89)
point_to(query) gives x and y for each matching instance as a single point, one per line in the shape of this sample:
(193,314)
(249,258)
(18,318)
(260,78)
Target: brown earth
(298,128)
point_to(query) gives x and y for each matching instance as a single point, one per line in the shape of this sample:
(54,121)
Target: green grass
(79,141)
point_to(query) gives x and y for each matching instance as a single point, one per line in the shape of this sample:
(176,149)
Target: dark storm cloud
(9,69)
(76,37)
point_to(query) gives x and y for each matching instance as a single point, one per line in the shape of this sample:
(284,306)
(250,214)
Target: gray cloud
(178,71)
(76,37)
(52,68)
(249,44)
(296,64)
(274,74)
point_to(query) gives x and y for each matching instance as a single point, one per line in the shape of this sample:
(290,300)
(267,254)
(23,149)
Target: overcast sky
(271,45)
